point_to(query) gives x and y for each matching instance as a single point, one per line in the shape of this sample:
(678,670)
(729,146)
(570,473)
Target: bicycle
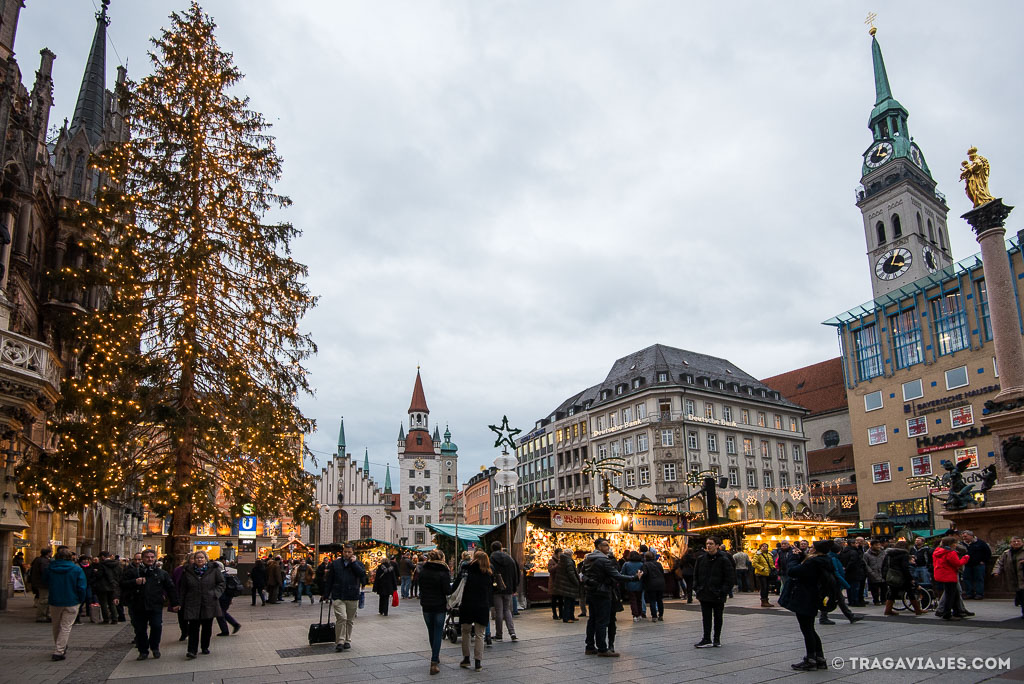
(922,594)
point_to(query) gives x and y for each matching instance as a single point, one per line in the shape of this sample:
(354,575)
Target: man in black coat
(107,586)
(974,571)
(713,578)
(143,588)
(851,557)
(600,578)
(345,579)
(507,567)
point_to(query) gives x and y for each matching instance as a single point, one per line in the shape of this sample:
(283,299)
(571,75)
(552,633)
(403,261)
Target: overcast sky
(512,195)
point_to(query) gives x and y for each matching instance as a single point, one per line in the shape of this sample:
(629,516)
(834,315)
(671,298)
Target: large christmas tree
(189,371)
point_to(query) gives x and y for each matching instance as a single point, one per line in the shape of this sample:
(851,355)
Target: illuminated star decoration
(505,434)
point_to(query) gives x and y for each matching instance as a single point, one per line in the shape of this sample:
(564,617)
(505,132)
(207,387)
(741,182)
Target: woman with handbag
(475,609)
(764,568)
(898,578)
(435,583)
(801,594)
(385,583)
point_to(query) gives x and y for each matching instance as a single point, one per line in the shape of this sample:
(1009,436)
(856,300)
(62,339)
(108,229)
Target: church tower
(904,215)
(419,458)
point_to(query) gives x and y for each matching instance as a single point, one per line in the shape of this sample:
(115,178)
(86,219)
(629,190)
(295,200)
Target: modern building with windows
(478,496)
(918,359)
(663,413)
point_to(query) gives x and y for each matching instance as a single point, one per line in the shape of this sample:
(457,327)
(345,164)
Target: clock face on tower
(878,155)
(893,264)
(915,155)
(420,464)
(929,259)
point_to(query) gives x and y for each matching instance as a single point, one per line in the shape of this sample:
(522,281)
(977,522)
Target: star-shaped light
(505,433)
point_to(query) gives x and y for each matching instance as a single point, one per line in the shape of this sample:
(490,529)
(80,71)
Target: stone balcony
(29,380)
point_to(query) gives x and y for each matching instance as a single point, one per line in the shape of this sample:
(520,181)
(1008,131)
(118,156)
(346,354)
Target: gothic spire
(882,90)
(387,480)
(341,438)
(366,461)
(419,400)
(89,114)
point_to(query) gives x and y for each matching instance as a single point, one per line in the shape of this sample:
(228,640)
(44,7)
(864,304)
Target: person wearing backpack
(232,588)
(804,592)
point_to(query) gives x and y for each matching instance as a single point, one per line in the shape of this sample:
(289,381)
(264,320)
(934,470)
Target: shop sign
(657,524)
(205,542)
(247,527)
(586,521)
(616,428)
(710,421)
(950,440)
(952,400)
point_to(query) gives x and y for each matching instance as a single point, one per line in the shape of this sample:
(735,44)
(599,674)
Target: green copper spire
(882,90)
(341,438)
(366,461)
(387,480)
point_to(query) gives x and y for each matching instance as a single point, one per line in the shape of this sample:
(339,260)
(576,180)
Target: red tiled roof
(819,387)
(425,446)
(834,460)
(419,401)
(396,502)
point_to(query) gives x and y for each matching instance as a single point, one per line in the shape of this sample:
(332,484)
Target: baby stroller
(452,626)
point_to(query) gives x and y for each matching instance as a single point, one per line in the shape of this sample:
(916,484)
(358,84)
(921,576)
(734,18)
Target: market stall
(469,537)
(748,535)
(371,552)
(538,531)
(293,549)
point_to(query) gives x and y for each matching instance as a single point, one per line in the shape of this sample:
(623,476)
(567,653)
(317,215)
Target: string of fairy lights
(187,375)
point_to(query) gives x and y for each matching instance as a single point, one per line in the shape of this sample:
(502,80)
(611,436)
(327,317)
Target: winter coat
(302,573)
(66,582)
(800,594)
(741,560)
(713,577)
(405,567)
(385,579)
(837,568)
(922,556)
(148,596)
(980,552)
(689,562)
(476,595)
(274,574)
(37,572)
(345,579)
(567,581)
(435,585)
(108,576)
(899,560)
(654,576)
(600,575)
(947,564)
(852,559)
(782,561)
(763,563)
(631,568)
(873,565)
(1008,568)
(506,565)
(258,575)
(553,575)
(200,596)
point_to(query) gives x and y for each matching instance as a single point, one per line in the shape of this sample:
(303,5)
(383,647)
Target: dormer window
(636,383)
(689,379)
(707,383)
(572,410)
(662,377)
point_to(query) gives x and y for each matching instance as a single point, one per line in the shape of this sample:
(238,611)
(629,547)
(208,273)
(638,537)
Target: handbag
(455,598)
(894,577)
(320,632)
(394,599)
(362,599)
(499,582)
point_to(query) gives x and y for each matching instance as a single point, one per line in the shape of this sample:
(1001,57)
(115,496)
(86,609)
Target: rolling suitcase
(319,632)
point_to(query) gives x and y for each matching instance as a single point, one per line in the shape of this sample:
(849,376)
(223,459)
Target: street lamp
(881,527)
(507,478)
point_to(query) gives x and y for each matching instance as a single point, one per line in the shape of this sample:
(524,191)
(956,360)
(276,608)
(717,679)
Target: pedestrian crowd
(464,599)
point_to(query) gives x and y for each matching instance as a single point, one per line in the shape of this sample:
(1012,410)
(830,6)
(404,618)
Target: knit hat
(823,546)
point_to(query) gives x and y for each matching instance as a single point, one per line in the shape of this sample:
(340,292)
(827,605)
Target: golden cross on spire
(870,21)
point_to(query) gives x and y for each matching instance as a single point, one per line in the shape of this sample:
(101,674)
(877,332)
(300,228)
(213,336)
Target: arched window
(771,511)
(365,527)
(78,177)
(920,226)
(735,511)
(787,510)
(931,232)
(880,230)
(340,534)
(897,227)
(942,242)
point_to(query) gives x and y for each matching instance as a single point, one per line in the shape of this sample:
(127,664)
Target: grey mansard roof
(684,369)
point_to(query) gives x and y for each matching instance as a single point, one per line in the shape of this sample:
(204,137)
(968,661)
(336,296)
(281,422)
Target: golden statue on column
(974,172)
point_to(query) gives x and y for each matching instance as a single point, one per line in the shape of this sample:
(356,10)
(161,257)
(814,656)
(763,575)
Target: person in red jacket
(947,564)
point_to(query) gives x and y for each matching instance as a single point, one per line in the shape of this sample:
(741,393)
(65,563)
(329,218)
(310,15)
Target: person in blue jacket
(837,568)
(68,590)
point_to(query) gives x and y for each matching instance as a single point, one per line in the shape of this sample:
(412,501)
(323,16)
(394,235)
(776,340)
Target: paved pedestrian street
(758,645)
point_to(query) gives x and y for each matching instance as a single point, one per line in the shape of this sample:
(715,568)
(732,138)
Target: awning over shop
(473,533)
